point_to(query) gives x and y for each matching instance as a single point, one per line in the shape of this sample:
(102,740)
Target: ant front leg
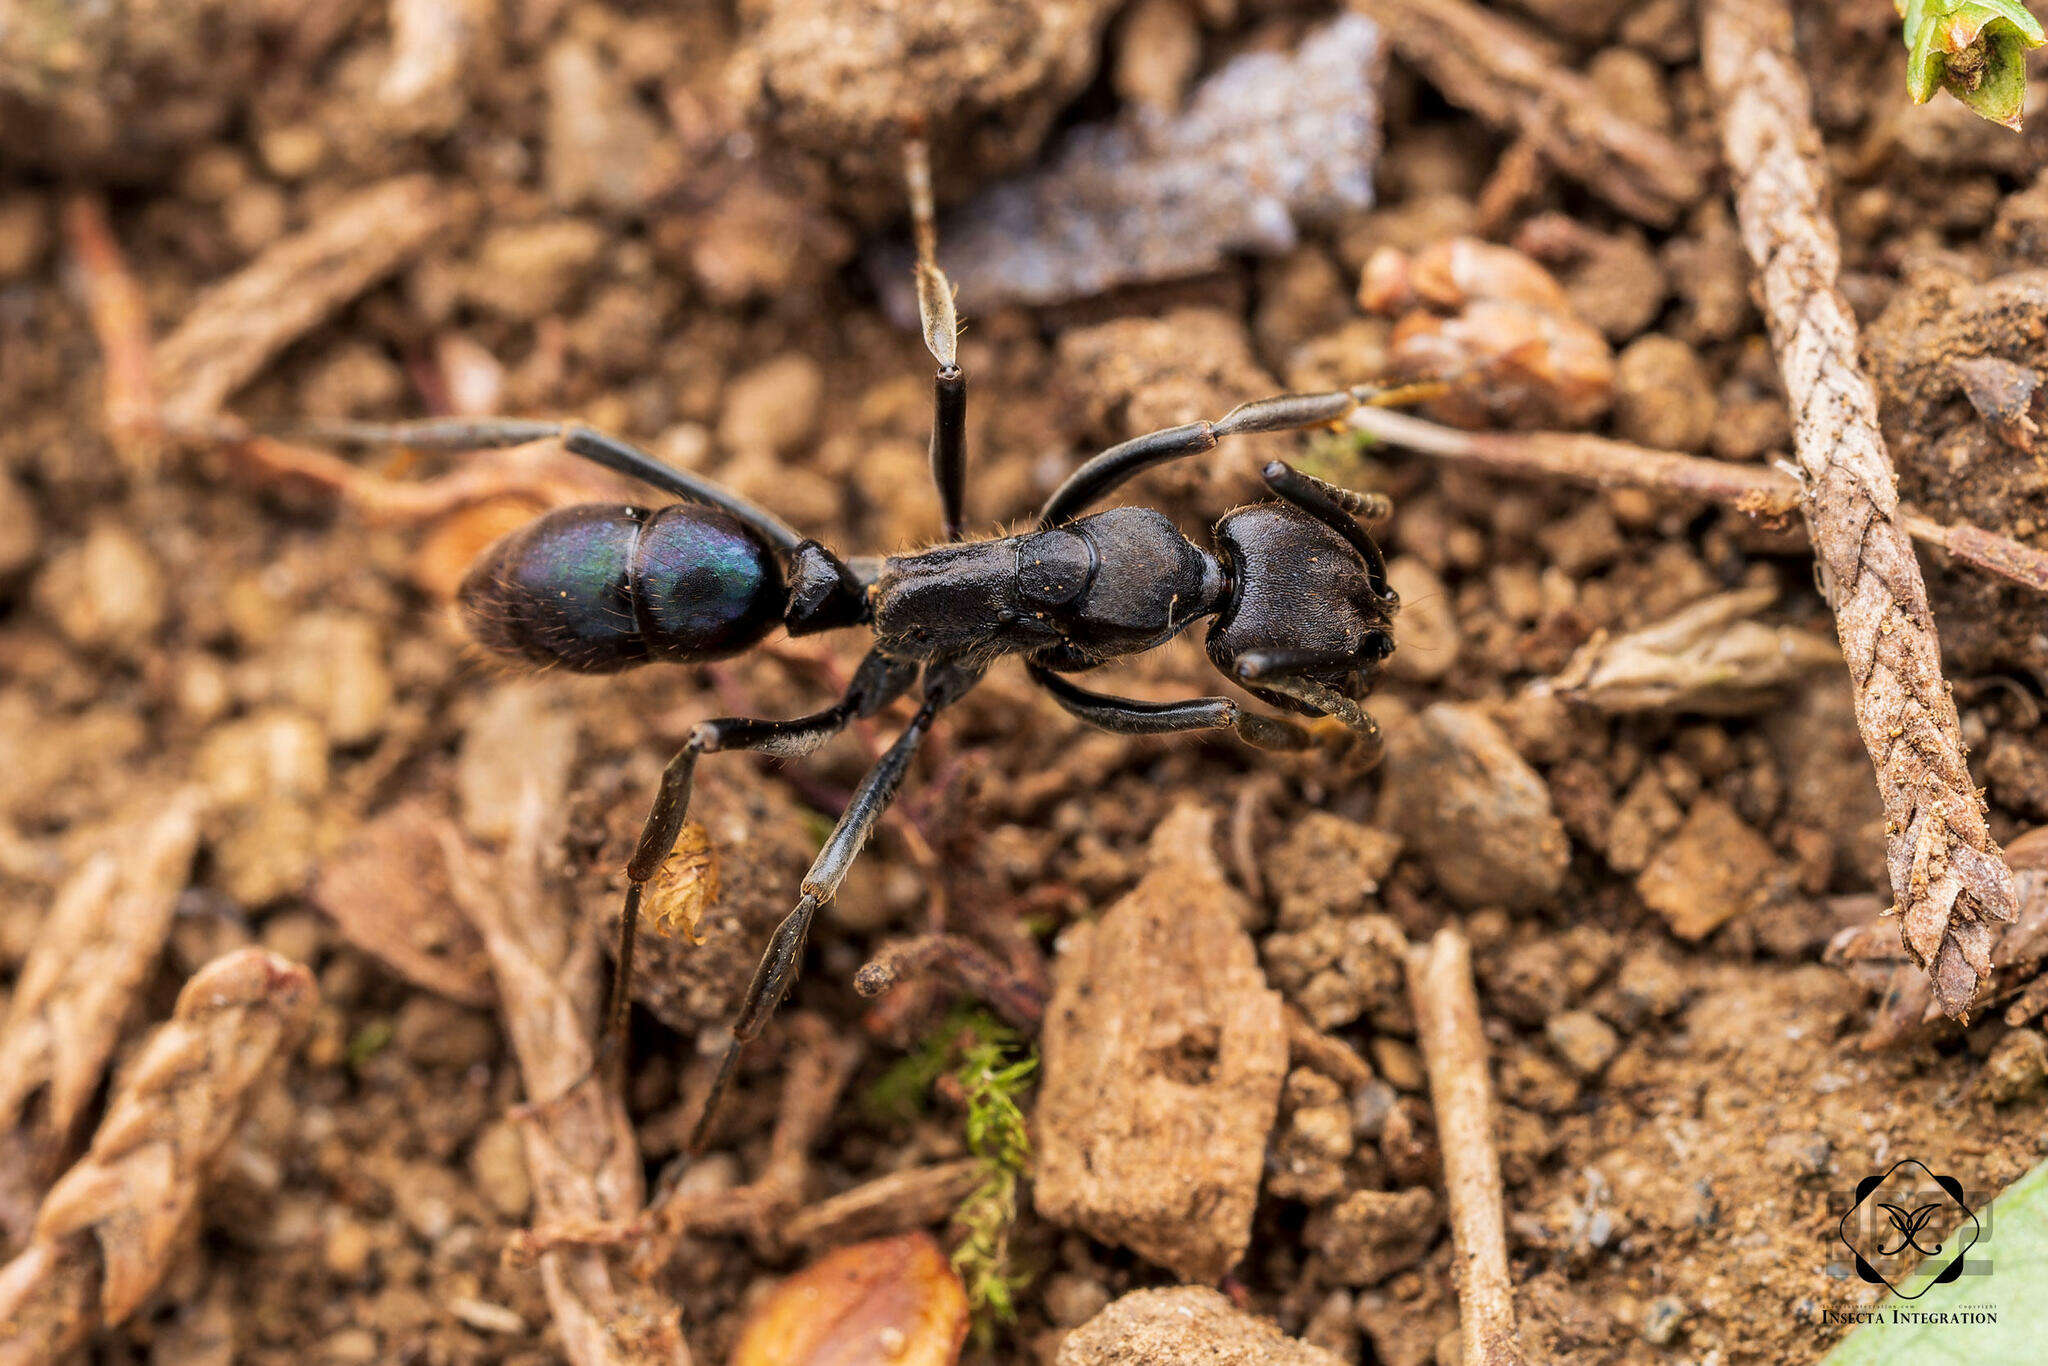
(941,333)
(876,683)
(1128,716)
(944,685)
(1287,672)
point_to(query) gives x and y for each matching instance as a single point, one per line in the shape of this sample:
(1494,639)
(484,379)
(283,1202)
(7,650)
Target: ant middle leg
(877,682)
(941,326)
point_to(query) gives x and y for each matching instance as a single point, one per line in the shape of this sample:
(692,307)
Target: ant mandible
(1298,591)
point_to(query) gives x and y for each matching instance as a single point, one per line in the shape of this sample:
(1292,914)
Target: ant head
(1304,601)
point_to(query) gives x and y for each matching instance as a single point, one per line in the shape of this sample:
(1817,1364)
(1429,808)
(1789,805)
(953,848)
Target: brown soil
(1685,1094)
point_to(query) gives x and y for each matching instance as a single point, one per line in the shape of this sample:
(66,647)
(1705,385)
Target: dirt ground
(665,221)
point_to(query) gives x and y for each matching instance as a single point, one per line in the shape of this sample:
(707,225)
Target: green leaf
(2016,1245)
(1974,49)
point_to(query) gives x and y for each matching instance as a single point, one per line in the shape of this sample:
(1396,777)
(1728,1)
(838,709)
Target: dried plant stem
(120,320)
(89,959)
(1446,1008)
(1948,876)
(109,1227)
(1494,68)
(580,1147)
(1758,490)
(895,1203)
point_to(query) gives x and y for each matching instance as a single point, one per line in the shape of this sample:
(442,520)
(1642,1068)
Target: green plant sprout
(983,1057)
(1974,49)
(993,1078)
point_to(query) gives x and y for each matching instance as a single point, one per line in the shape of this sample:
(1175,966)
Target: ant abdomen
(603,587)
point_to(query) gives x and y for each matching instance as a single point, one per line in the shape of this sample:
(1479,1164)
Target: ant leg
(1128,716)
(1284,413)
(876,683)
(941,330)
(1340,510)
(779,963)
(491,433)
(1287,672)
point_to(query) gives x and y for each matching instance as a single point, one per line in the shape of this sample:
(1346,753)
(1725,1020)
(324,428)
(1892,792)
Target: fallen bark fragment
(580,1147)
(1948,877)
(1755,490)
(1164,1053)
(388,893)
(1270,141)
(1180,1325)
(1454,1050)
(1713,657)
(235,327)
(90,957)
(891,1302)
(109,1228)
(1494,68)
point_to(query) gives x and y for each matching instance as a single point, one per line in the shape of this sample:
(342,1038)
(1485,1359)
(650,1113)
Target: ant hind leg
(876,683)
(784,954)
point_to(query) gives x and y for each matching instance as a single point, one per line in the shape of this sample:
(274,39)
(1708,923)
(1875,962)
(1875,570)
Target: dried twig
(1758,490)
(120,321)
(1447,1024)
(108,1228)
(235,327)
(1492,67)
(1947,874)
(579,1140)
(889,1204)
(1310,1047)
(966,964)
(89,959)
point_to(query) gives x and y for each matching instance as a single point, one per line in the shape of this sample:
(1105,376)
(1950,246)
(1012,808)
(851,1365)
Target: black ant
(1297,589)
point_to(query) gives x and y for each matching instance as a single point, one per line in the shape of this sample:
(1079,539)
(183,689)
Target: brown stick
(965,965)
(120,322)
(1447,1025)
(1947,874)
(109,1228)
(90,957)
(1758,490)
(1494,68)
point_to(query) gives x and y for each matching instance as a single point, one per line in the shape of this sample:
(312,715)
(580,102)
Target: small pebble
(2016,1068)
(1399,1063)
(1585,1041)
(106,592)
(1663,1321)
(1662,396)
